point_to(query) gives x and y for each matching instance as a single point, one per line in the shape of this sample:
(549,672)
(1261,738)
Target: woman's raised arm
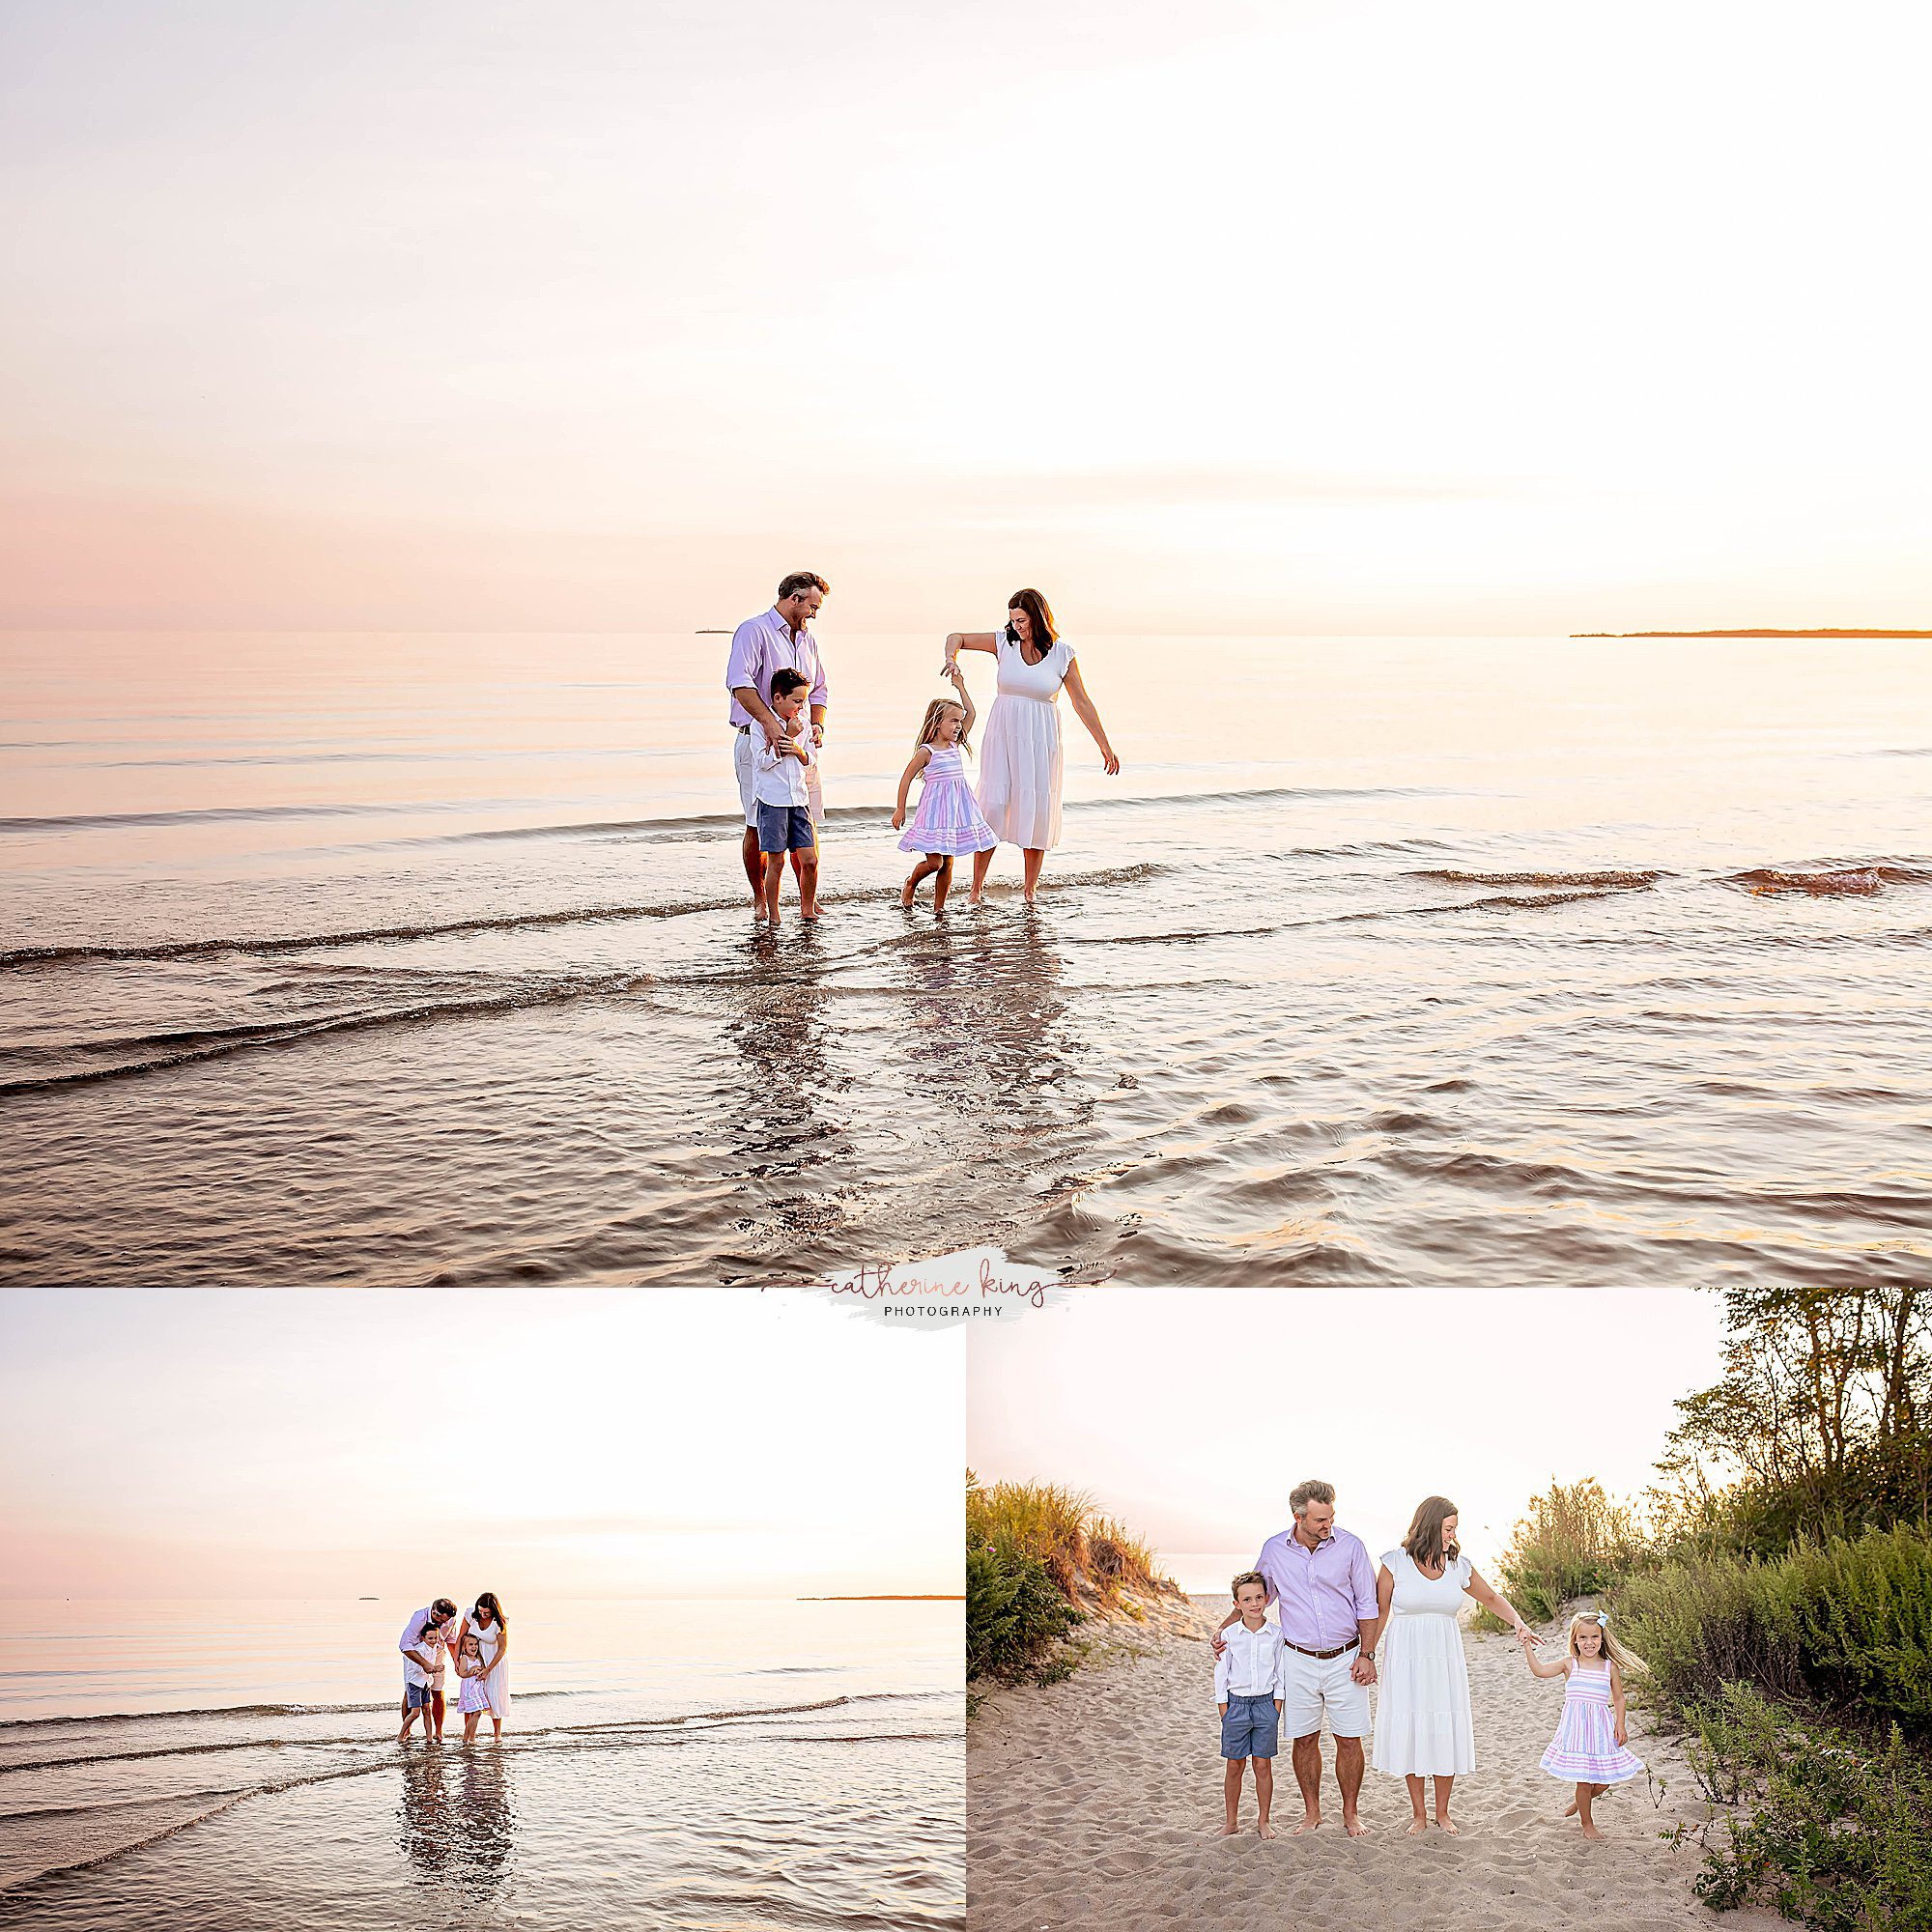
(1089,716)
(1499,1605)
(971,640)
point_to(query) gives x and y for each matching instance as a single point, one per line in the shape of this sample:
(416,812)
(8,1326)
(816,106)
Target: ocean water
(420,959)
(220,1765)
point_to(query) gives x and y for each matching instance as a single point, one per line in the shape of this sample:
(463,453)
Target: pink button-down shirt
(763,644)
(1321,1594)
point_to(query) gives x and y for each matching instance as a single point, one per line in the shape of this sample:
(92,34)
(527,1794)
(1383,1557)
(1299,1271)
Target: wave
(1617,879)
(1856,879)
(155,1053)
(674,826)
(670,1722)
(11,1727)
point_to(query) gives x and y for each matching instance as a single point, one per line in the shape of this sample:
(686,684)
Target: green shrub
(1846,1624)
(1015,1614)
(1837,1833)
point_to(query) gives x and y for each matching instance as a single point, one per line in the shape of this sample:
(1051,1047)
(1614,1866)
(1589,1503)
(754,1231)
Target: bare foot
(1591,1832)
(1445,1825)
(1416,1829)
(1228,1830)
(1355,1827)
(1570,1809)
(810,918)
(773,919)
(1311,1823)
(905,896)
(1266,1830)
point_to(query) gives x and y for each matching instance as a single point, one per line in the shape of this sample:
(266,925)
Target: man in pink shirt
(775,640)
(1324,1589)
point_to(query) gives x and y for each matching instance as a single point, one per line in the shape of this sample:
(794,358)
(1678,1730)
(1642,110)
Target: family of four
(1334,1612)
(779,700)
(479,1643)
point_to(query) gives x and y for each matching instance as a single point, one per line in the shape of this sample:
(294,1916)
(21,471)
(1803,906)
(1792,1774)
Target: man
(421,1636)
(1325,1586)
(775,641)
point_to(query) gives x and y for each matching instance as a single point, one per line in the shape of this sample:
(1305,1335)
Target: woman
(1020,757)
(492,1638)
(1423,1726)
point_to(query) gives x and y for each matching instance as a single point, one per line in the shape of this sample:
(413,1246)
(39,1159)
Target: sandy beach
(1094,1803)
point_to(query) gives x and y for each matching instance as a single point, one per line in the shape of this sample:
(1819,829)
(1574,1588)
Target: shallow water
(423,959)
(647,1776)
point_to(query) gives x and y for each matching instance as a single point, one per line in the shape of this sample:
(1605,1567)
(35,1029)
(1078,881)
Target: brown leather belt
(1323,1655)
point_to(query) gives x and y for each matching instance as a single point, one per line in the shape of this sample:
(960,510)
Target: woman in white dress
(1021,762)
(492,1638)
(1423,1726)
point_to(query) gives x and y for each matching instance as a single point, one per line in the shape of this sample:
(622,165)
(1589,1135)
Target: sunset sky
(1261,315)
(662,1444)
(1191,1416)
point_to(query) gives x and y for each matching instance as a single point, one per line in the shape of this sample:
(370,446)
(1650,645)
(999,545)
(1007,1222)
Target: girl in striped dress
(1591,1748)
(949,821)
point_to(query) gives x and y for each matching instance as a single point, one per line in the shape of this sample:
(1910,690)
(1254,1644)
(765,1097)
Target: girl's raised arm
(922,756)
(1089,716)
(1553,1667)
(1499,1605)
(971,640)
(958,679)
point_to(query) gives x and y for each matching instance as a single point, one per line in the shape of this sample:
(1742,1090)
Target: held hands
(1363,1670)
(951,669)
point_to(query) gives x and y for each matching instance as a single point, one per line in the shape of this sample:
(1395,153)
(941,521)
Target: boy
(781,786)
(1249,1686)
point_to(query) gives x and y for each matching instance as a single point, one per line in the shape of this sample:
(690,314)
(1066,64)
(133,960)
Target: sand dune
(1094,1803)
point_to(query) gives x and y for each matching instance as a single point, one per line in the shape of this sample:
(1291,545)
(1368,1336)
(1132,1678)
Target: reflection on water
(455,1819)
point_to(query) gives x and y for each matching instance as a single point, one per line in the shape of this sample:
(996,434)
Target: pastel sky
(1266,315)
(662,1444)
(1191,1416)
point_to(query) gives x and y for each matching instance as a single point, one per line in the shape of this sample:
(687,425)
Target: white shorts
(743,749)
(1321,1688)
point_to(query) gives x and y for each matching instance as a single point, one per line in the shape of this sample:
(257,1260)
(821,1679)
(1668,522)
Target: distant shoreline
(1751,633)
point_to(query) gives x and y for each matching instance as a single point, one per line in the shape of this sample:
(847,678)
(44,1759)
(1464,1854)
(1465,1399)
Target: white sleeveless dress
(1021,760)
(1424,1727)
(496,1686)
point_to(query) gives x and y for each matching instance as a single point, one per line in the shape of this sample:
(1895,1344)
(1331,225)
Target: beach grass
(1040,1559)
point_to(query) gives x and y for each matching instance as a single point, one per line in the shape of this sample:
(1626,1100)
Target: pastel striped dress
(1585,1749)
(949,820)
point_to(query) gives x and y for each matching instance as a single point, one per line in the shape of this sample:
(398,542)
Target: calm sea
(414,959)
(234,1765)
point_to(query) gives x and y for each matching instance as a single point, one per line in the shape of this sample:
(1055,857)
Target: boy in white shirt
(781,782)
(1250,1684)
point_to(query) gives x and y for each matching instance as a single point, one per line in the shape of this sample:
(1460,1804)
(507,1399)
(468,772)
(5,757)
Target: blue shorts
(1252,1727)
(418,1697)
(784,827)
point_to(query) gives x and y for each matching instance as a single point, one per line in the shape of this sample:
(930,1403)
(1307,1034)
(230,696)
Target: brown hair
(488,1602)
(785,680)
(1425,1540)
(802,580)
(1041,613)
(1246,1577)
(1314,1491)
(929,730)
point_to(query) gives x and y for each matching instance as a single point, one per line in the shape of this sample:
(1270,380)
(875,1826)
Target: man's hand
(1219,1642)
(792,749)
(1363,1670)
(818,734)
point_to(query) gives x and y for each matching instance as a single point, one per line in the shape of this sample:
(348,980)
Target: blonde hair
(1625,1659)
(1246,1577)
(929,732)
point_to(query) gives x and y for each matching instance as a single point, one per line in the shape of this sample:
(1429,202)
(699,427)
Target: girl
(488,1625)
(949,820)
(474,1700)
(1591,1745)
